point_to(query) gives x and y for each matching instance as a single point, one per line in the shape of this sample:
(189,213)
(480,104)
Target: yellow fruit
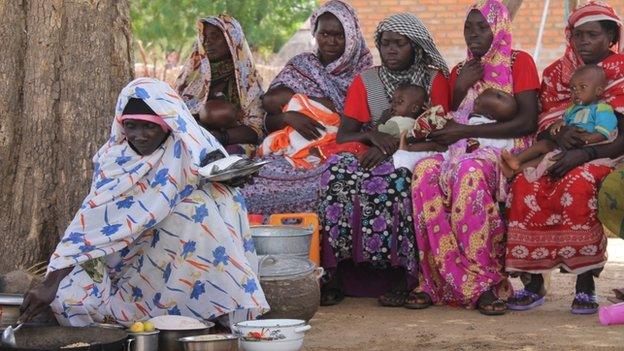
(137,327)
(148,326)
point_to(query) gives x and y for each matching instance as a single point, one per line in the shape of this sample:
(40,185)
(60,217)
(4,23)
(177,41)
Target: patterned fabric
(497,61)
(567,231)
(366,215)
(611,202)
(554,223)
(282,188)
(154,236)
(458,224)
(555,100)
(428,59)
(196,77)
(462,243)
(305,74)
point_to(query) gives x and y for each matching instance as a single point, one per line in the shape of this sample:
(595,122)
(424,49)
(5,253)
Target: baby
(587,112)
(218,115)
(406,105)
(492,106)
(274,101)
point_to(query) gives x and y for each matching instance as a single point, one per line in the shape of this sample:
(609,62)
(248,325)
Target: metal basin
(214,342)
(282,240)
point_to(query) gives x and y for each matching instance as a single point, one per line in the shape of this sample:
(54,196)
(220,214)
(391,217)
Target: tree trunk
(62,65)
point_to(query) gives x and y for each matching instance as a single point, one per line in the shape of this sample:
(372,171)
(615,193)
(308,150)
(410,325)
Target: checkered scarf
(427,57)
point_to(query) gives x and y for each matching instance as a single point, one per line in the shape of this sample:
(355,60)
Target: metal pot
(37,338)
(168,339)
(282,240)
(9,308)
(146,341)
(215,342)
(291,287)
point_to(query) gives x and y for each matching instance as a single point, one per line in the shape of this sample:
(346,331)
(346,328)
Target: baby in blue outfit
(587,112)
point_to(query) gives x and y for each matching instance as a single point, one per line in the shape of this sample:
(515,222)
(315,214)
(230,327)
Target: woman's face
(396,51)
(478,34)
(144,137)
(591,42)
(330,38)
(215,44)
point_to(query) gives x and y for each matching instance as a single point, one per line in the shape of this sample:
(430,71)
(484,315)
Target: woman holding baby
(368,244)
(221,87)
(553,220)
(458,222)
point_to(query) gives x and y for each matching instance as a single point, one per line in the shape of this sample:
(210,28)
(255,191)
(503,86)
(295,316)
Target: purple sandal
(586,299)
(521,295)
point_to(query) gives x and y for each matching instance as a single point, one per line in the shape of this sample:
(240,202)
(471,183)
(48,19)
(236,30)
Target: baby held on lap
(595,119)
(288,142)
(490,106)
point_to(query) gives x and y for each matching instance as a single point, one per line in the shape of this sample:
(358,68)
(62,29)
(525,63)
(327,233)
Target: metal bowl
(282,240)
(210,342)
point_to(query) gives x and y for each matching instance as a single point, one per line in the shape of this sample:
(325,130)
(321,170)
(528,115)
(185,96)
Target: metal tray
(237,172)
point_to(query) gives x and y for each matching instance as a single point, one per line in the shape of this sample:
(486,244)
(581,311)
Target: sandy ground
(361,325)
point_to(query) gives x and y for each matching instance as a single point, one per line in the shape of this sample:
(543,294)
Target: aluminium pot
(46,338)
(291,287)
(282,240)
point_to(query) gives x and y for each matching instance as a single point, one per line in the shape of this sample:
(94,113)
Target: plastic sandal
(521,295)
(585,299)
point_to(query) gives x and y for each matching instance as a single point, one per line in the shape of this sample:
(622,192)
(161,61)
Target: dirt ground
(361,325)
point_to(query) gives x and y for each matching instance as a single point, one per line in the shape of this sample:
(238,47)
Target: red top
(523,72)
(356,102)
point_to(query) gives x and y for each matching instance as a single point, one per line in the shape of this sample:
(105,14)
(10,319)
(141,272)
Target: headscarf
(428,59)
(194,81)
(555,93)
(497,61)
(305,74)
(131,193)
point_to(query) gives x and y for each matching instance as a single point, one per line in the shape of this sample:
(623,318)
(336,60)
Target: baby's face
(585,88)
(496,104)
(407,102)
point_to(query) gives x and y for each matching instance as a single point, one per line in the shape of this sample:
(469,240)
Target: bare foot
(506,169)
(512,161)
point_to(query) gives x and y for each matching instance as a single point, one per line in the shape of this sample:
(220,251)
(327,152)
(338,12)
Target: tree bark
(62,65)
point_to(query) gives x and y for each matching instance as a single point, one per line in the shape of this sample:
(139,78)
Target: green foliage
(169,25)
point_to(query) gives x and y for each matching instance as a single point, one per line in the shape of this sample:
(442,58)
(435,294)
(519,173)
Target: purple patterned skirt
(366,216)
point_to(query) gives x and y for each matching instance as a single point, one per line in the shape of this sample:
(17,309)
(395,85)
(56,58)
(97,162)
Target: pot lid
(283,267)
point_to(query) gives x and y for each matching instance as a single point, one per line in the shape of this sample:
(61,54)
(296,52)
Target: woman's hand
(471,73)
(306,126)
(420,146)
(450,134)
(41,296)
(372,157)
(385,143)
(566,161)
(569,137)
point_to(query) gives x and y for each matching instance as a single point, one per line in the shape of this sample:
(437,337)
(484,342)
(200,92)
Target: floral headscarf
(428,59)
(131,193)
(555,94)
(305,74)
(194,81)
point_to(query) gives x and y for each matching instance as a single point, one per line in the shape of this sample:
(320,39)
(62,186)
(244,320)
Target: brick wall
(444,18)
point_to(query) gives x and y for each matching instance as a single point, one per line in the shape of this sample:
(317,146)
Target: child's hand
(556,128)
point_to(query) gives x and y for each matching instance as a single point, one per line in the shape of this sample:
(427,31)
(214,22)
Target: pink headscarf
(148,118)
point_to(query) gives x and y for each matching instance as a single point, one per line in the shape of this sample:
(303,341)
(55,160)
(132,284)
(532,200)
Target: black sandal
(490,305)
(331,297)
(418,300)
(393,298)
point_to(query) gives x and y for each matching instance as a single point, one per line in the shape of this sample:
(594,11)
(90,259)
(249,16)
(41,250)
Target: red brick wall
(444,18)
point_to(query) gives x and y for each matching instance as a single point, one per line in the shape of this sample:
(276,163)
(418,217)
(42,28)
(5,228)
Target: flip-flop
(493,311)
(414,296)
(585,298)
(393,298)
(522,294)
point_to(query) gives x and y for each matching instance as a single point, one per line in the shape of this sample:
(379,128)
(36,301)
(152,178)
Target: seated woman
(553,221)
(458,222)
(221,67)
(323,75)
(152,238)
(365,209)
